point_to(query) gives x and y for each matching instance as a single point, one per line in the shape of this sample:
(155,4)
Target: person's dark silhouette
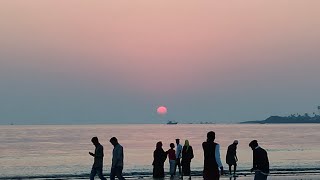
(98,159)
(231,157)
(260,161)
(117,160)
(178,156)
(187,155)
(212,161)
(159,157)
(172,159)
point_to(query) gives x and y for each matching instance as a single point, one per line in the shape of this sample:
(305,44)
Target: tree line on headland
(293,118)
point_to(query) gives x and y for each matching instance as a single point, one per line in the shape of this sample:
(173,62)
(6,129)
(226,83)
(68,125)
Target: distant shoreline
(123,124)
(292,119)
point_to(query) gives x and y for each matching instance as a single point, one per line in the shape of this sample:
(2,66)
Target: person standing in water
(231,157)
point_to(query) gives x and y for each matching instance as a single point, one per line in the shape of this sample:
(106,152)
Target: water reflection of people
(159,157)
(212,161)
(187,155)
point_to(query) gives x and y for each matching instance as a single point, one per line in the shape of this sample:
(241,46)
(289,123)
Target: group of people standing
(213,167)
(181,158)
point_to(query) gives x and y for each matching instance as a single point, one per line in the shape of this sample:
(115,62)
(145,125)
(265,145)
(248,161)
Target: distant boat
(172,122)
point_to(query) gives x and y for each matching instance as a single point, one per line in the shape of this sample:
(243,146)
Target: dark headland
(287,119)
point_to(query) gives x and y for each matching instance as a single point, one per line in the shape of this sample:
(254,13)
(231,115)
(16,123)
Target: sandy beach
(271,177)
(298,176)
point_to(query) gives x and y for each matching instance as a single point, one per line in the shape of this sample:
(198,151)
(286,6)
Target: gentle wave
(278,171)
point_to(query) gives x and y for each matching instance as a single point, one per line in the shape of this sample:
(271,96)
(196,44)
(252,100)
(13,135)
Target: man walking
(260,161)
(98,159)
(117,160)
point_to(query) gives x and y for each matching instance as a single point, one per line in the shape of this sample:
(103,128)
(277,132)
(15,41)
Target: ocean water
(53,151)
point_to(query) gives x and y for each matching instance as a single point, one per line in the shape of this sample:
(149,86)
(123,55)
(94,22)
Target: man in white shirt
(212,167)
(178,157)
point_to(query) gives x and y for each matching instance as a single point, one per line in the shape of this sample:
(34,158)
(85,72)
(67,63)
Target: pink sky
(164,48)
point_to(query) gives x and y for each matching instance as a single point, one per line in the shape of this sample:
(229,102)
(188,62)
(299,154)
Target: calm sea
(45,151)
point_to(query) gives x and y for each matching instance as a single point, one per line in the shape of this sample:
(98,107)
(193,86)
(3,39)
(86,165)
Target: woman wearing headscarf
(187,155)
(159,157)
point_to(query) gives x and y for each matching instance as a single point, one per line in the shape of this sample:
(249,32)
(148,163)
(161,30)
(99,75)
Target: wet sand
(248,177)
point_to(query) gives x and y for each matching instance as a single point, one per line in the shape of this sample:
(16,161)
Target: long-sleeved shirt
(117,156)
(260,160)
(211,155)
(178,151)
(98,156)
(217,154)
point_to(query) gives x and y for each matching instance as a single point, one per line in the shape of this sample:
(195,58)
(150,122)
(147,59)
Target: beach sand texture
(249,177)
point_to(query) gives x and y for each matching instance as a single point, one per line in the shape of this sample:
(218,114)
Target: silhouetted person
(159,157)
(260,161)
(212,161)
(117,160)
(178,157)
(172,159)
(187,155)
(98,159)
(231,157)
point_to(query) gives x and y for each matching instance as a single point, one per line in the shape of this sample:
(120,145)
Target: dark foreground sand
(248,177)
(271,177)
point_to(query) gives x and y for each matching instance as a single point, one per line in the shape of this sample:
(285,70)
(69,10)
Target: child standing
(172,158)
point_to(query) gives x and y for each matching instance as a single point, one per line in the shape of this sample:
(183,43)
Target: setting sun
(162,110)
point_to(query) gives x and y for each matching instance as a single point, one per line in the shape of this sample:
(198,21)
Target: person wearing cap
(212,161)
(231,157)
(178,156)
(260,161)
